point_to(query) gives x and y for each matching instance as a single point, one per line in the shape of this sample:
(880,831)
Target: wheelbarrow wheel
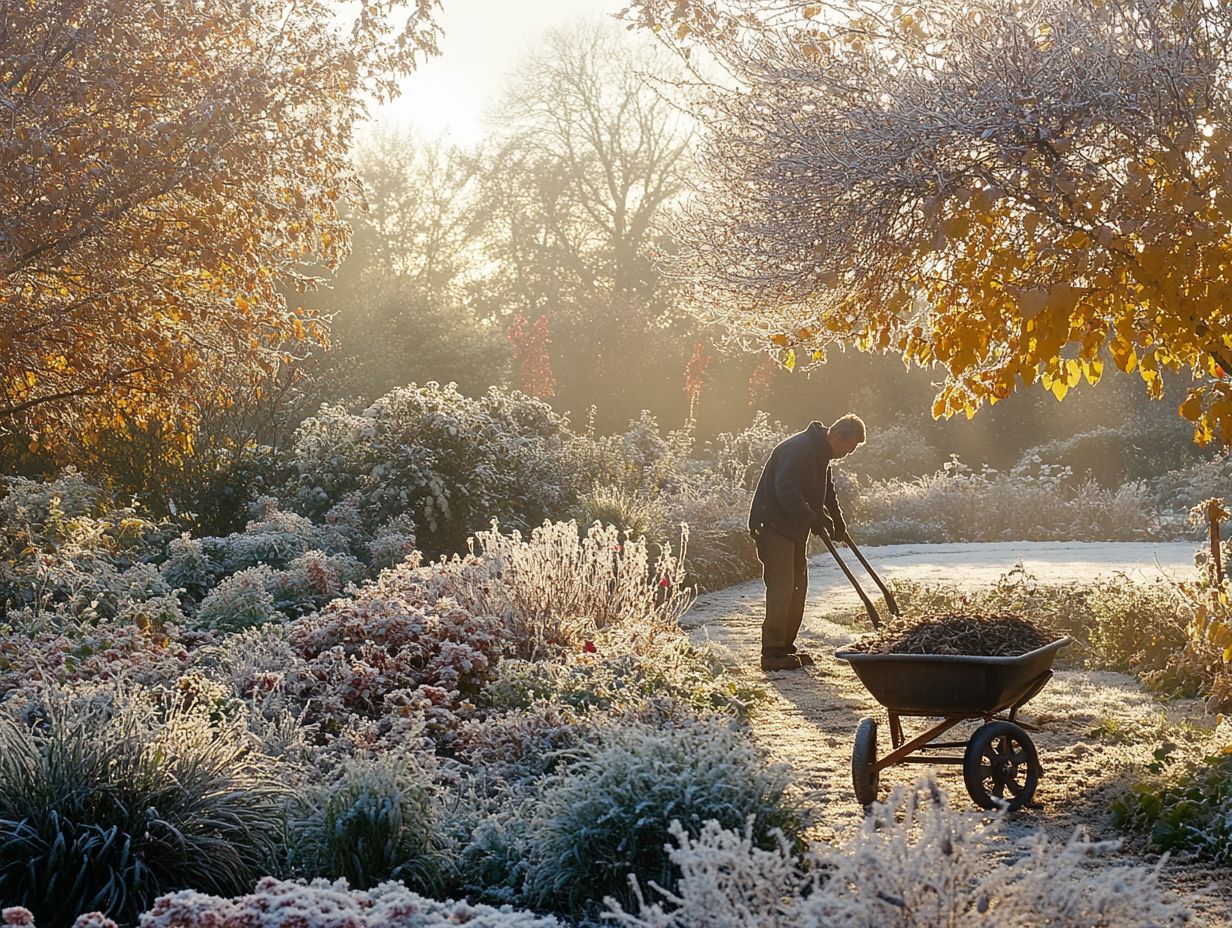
(1001,766)
(864,776)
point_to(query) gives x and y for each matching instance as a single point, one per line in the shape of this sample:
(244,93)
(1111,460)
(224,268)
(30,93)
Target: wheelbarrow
(1000,765)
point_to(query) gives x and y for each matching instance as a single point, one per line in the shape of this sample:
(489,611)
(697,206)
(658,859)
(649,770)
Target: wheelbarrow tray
(953,684)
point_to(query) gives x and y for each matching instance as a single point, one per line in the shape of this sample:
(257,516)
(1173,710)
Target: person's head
(845,434)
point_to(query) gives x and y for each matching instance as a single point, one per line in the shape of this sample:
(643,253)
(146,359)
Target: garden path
(810,716)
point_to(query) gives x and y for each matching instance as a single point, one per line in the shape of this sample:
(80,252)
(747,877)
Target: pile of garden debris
(996,635)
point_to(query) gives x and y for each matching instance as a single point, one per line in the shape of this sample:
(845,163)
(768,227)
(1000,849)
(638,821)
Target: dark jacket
(796,487)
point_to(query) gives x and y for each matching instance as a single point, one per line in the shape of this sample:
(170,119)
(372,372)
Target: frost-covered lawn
(1099,729)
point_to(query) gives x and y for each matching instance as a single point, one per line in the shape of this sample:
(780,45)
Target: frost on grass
(607,813)
(915,863)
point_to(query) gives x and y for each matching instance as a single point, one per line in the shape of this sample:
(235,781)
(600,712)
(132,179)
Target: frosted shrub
(615,679)
(39,649)
(313,579)
(915,863)
(607,813)
(393,542)
(721,551)
(393,651)
(324,904)
(516,748)
(107,801)
(274,538)
(1141,627)
(376,818)
(894,451)
(90,556)
(189,568)
(1178,491)
(450,461)
(1139,448)
(1033,502)
(241,601)
(31,502)
(742,455)
(555,590)
(259,666)
(301,565)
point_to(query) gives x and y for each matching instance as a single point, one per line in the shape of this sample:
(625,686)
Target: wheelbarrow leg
(919,741)
(896,730)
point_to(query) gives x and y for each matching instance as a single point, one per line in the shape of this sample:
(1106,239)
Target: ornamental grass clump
(376,818)
(997,635)
(607,814)
(110,798)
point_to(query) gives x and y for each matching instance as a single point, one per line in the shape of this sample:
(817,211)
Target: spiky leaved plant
(110,797)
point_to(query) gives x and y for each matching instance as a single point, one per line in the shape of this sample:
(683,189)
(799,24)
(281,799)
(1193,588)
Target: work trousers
(785,571)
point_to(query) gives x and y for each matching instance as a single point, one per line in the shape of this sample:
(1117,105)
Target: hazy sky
(483,39)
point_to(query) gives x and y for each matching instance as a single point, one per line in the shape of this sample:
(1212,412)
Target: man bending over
(794,496)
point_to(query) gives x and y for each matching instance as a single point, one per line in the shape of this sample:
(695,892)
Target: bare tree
(584,116)
(404,299)
(588,155)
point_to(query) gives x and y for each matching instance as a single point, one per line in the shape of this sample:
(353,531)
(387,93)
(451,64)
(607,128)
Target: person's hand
(824,527)
(840,531)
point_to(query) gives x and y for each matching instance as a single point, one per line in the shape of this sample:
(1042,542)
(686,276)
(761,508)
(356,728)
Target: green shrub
(634,513)
(110,799)
(1144,628)
(608,813)
(374,819)
(450,461)
(619,681)
(243,600)
(1192,811)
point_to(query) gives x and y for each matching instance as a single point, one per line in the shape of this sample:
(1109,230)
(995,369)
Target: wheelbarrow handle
(891,604)
(868,603)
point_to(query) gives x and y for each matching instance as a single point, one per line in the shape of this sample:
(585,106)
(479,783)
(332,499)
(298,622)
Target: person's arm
(789,489)
(833,508)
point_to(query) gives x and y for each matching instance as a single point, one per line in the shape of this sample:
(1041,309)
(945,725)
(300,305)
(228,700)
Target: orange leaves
(1093,370)
(138,186)
(1191,408)
(1123,354)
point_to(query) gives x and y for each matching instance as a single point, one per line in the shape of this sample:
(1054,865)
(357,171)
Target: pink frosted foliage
(105,650)
(94,920)
(393,650)
(325,904)
(16,915)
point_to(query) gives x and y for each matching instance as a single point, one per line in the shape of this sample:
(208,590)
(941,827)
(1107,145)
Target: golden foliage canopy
(169,170)
(1019,191)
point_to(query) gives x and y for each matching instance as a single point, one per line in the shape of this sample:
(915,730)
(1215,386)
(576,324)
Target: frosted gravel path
(811,715)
